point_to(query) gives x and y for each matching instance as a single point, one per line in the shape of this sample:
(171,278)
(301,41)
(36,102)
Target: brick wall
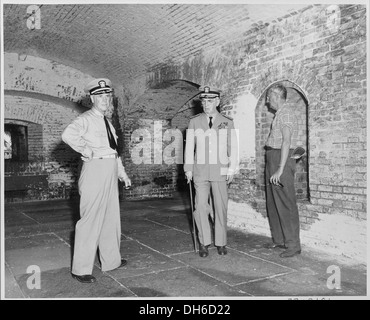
(46,96)
(322,52)
(35,142)
(180,121)
(151,172)
(48,155)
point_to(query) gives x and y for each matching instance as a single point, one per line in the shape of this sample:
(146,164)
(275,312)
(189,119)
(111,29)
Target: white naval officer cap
(208,94)
(99,86)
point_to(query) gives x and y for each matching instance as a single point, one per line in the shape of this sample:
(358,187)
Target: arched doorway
(264,118)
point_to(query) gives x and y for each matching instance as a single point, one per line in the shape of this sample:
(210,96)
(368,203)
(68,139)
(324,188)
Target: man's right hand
(87,155)
(189,176)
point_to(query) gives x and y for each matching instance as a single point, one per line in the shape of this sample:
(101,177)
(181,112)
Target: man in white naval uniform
(211,158)
(94,137)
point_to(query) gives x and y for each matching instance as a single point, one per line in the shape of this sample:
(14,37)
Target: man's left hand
(229,178)
(275,178)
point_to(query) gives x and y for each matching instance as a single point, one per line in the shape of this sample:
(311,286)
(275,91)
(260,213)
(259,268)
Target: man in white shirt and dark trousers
(94,137)
(281,199)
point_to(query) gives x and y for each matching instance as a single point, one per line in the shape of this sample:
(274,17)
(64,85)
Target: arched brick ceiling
(164,100)
(126,40)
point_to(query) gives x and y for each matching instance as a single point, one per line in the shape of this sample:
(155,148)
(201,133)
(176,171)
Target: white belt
(108,156)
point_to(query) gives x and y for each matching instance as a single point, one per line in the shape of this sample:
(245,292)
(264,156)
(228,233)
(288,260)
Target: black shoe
(123,263)
(87,278)
(274,246)
(289,253)
(221,250)
(203,251)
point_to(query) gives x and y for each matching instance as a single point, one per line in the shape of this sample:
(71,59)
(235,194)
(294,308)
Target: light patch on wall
(244,120)
(34,74)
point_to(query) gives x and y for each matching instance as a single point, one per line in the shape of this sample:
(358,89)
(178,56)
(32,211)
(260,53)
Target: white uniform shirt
(88,133)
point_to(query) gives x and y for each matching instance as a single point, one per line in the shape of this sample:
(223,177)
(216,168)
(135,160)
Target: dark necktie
(210,122)
(112,142)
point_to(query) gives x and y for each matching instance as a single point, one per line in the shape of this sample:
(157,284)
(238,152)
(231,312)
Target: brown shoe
(203,251)
(87,278)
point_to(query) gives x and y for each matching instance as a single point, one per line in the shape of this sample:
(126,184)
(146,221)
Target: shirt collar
(213,117)
(97,112)
(281,109)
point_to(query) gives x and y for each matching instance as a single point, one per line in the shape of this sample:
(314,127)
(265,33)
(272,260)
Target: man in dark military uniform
(211,161)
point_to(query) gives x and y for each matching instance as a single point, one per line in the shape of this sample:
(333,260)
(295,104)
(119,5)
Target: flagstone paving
(158,243)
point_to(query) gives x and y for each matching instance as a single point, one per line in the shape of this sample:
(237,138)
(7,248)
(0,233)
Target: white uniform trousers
(202,210)
(99,226)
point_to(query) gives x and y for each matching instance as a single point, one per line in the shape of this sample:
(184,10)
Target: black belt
(267,148)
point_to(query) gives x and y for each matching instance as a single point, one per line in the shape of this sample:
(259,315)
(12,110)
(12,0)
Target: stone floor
(157,242)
